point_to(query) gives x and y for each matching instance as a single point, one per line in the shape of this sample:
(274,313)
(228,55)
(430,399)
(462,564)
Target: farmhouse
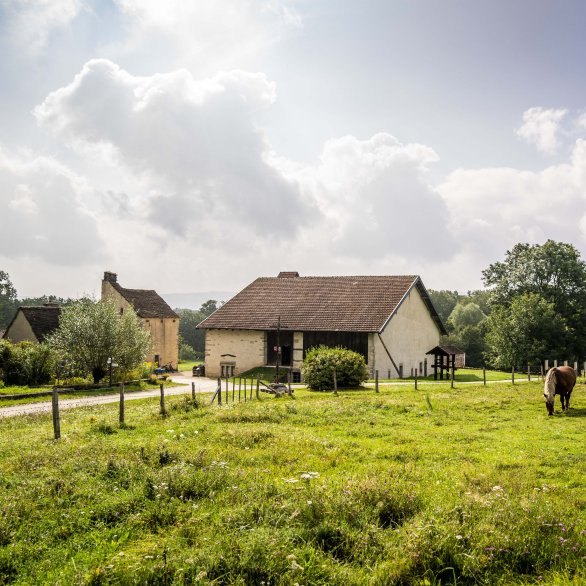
(155,314)
(390,320)
(33,323)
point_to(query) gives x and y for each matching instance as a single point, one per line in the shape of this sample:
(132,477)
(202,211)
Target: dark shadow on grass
(575,412)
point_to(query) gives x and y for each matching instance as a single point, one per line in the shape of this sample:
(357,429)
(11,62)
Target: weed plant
(472,485)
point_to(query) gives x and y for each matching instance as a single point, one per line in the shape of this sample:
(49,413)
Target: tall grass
(470,485)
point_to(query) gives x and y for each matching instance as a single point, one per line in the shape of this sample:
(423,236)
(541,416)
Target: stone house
(390,320)
(33,323)
(154,313)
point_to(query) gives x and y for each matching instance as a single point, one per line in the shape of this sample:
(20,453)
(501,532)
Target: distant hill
(195,300)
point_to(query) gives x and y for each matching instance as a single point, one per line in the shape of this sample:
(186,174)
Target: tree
(444,302)
(465,314)
(8,300)
(92,332)
(524,332)
(209,306)
(555,273)
(190,318)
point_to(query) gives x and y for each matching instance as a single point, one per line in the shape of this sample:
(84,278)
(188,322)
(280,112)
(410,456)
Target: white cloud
(43,215)
(30,23)
(209,35)
(541,127)
(194,145)
(492,209)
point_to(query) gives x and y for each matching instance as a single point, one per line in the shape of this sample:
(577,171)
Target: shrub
(26,363)
(320,363)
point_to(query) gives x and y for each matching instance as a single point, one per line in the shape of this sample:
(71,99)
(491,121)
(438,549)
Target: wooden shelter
(446,358)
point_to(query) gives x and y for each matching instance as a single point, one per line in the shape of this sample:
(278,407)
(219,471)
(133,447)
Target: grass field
(470,485)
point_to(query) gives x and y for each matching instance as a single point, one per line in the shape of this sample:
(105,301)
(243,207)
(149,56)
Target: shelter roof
(348,303)
(445,350)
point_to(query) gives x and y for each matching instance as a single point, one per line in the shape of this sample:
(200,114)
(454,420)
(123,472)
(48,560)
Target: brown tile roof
(353,304)
(43,319)
(146,302)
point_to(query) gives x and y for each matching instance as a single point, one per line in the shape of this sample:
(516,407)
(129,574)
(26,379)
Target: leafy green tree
(188,321)
(444,302)
(209,306)
(555,273)
(8,300)
(524,332)
(319,365)
(465,314)
(91,332)
(26,363)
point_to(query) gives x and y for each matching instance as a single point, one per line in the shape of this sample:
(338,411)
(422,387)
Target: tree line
(533,308)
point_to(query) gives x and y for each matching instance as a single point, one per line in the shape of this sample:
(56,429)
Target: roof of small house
(43,319)
(147,303)
(446,350)
(352,303)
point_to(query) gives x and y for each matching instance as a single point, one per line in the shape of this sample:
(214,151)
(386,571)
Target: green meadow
(470,485)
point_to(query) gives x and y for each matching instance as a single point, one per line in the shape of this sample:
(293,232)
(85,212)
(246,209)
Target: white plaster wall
(410,333)
(248,347)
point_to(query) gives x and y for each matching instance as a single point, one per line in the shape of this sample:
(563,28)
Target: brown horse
(559,381)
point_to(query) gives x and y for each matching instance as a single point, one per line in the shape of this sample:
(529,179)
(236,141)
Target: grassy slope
(472,484)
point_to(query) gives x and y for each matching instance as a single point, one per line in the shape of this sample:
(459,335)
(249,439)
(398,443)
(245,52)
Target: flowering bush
(321,362)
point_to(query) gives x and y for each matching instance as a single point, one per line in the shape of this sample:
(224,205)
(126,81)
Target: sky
(194,146)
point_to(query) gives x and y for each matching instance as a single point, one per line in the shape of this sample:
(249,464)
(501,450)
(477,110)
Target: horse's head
(549,390)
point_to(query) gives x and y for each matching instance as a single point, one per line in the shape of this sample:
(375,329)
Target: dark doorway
(286,341)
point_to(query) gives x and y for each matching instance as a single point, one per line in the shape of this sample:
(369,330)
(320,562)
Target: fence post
(452,377)
(289,377)
(56,422)
(389,374)
(484,375)
(528,373)
(576,367)
(219,391)
(513,374)
(335,384)
(245,391)
(376,381)
(162,388)
(251,385)
(233,389)
(239,388)
(193,390)
(121,418)
(415,379)
(227,390)
(258,385)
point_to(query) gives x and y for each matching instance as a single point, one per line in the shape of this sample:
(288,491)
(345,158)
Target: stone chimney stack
(110,277)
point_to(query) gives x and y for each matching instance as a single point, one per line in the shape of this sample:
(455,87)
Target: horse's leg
(563,400)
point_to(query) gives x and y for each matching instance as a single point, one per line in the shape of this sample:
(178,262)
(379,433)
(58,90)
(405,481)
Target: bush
(320,363)
(26,363)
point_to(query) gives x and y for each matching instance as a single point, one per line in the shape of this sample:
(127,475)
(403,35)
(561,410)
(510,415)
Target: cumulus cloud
(195,143)
(541,127)
(376,201)
(492,209)
(30,24)
(43,216)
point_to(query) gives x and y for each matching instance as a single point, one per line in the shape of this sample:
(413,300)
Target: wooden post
(415,379)
(233,389)
(452,377)
(239,388)
(513,374)
(565,363)
(219,391)
(529,373)
(121,418)
(245,391)
(56,422)
(546,366)
(389,374)
(162,388)
(258,385)
(193,390)
(290,377)
(251,385)
(484,375)
(376,380)
(335,384)
(555,363)
(227,390)
(576,367)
